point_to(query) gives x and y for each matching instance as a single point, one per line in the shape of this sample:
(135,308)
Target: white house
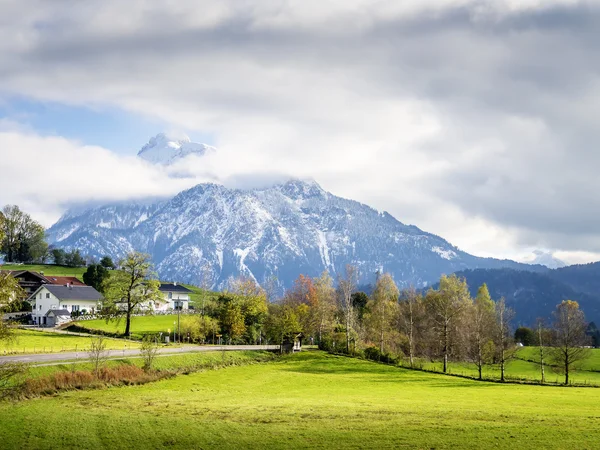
(176,297)
(68,298)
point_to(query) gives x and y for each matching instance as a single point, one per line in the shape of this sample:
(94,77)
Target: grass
(140,325)
(311,400)
(32,341)
(188,362)
(48,269)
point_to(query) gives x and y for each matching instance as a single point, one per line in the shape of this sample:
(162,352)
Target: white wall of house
(45,300)
(171,300)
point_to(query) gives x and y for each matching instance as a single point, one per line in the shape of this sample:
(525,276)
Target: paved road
(43,359)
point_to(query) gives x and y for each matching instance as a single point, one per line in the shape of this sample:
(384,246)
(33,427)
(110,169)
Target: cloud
(474,120)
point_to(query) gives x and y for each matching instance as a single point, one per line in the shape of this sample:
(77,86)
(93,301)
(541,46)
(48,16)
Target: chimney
(175,283)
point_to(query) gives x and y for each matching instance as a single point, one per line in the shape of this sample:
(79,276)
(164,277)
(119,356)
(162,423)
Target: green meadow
(309,400)
(32,341)
(140,325)
(48,269)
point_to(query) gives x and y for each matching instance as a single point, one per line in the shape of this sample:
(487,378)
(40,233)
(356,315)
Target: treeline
(445,324)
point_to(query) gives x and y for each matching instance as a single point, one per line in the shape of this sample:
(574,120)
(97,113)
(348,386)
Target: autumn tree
(252,300)
(570,337)
(130,288)
(503,341)
(282,322)
(382,307)
(324,310)
(480,325)
(346,287)
(231,317)
(445,307)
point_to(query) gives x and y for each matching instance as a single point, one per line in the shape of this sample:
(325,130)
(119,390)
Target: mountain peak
(166,148)
(301,189)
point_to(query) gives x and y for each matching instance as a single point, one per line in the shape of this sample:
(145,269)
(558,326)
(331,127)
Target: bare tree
(347,285)
(148,350)
(411,319)
(543,338)
(98,353)
(325,308)
(570,337)
(505,347)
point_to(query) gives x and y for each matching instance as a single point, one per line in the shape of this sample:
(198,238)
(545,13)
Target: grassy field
(48,269)
(518,370)
(311,400)
(30,341)
(140,325)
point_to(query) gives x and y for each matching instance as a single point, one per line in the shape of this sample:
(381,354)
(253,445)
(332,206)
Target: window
(170,295)
(40,307)
(48,295)
(75,308)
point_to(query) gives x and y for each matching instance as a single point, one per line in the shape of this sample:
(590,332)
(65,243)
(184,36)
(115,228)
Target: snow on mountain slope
(164,149)
(283,231)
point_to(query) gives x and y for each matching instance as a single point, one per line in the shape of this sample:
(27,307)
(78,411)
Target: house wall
(45,300)
(169,303)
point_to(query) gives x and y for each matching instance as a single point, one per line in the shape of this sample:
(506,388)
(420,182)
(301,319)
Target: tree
(148,350)
(231,317)
(59,256)
(445,307)
(480,325)
(282,323)
(98,353)
(382,306)
(525,336)
(502,336)
(95,276)
(347,286)
(543,337)
(74,259)
(411,309)
(359,303)
(10,294)
(570,337)
(107,262)
(23,237)
(131,287)
(325,308)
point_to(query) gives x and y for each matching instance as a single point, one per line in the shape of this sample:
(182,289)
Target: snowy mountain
(545,258)
(210,231)
(165,150)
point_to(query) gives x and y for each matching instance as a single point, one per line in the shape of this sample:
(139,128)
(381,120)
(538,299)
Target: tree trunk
(541,353)
(445,347)
(502,366)
(128,323)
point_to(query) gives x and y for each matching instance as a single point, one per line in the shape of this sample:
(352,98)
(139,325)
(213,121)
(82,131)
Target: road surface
(50,358)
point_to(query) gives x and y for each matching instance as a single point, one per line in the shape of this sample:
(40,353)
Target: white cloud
(473,120)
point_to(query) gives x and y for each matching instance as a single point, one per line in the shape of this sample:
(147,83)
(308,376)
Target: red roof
(63,280)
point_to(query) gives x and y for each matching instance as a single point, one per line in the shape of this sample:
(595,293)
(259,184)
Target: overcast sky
(474,120)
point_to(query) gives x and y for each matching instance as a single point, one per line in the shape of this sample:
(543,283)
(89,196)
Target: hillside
(534,295)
